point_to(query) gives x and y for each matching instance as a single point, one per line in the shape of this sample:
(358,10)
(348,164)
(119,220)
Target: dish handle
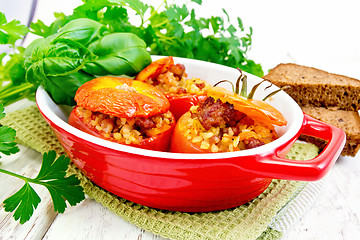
(314,169)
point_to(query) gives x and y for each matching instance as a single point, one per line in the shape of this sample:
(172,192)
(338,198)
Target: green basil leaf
(54,59)
(118,54)
(62,89)
(82,30)
(57,67)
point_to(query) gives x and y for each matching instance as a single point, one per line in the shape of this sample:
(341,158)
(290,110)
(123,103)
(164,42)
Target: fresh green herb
(81,50)
(72,51)
(52,175)
(7,137)
(13,85)
(170,30)
(12,31)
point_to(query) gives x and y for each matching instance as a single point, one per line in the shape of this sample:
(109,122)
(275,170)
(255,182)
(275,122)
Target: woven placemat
(248,221)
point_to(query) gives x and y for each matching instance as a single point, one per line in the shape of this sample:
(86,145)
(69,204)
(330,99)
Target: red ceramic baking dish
(196,182)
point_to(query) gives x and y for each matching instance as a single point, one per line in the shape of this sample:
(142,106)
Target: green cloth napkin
(266,217)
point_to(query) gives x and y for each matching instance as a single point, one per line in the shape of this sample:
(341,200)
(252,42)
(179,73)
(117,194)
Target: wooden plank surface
(282,33)
(335,215)
(26,163)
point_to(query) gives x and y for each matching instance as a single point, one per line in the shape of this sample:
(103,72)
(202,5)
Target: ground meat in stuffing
(181,90)
(235,131)
(144,123)
(178,70)
(200,85)
(214,114)
(252,143)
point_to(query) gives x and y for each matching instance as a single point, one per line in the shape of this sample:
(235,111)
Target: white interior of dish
(212,73)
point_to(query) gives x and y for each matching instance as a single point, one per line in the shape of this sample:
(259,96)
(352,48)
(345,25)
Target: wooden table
(321,34)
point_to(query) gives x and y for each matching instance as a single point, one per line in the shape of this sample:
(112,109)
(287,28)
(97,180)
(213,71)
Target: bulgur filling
(175,81)
(218,127)
(127,130)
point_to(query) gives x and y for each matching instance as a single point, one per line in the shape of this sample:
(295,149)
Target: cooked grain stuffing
(128,130)
(217,126)
(175,81)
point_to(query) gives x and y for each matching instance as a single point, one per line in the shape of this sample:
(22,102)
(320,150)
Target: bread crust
(328,97)
(348,121)
(315,87)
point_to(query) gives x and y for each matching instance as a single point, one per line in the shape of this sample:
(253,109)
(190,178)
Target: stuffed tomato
(124,111)
(225,122)
(172,80)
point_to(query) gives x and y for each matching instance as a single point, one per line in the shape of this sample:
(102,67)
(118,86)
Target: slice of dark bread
(348,121)
(314,87)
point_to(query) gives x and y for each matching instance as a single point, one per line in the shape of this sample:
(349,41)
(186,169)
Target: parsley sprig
(12,31)
(7,137)
(52,175)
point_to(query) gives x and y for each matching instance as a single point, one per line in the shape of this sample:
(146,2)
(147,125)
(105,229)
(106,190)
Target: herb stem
(154,13)
(11,93)
(11,89)
(15,175)
(160,24)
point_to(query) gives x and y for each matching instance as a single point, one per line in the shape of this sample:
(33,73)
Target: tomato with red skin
(179,142)
(159,142)
(123,98)
(253,109)
(153,70)
(181,103)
